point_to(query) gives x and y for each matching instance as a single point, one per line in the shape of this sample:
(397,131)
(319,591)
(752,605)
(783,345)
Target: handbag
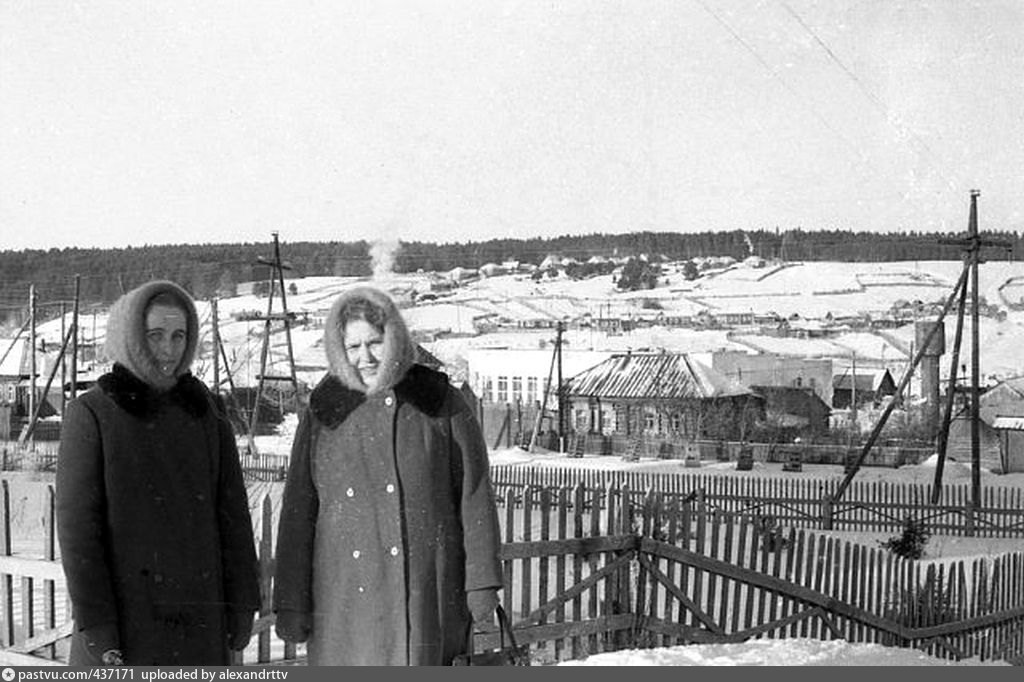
(511,654)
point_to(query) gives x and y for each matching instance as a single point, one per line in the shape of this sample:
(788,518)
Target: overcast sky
(143,122)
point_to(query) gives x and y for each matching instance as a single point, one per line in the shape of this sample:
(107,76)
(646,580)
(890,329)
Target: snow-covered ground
(776,652)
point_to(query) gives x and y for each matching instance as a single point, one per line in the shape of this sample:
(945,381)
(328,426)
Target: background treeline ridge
(208,268)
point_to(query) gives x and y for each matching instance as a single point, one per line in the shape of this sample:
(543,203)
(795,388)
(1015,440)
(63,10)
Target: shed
(868,385)
(799,407)
(1010,432)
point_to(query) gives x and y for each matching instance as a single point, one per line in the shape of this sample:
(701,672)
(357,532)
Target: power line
(875,101)
(775,74)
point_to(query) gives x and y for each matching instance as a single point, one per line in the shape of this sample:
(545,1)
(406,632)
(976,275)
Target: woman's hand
(482,604)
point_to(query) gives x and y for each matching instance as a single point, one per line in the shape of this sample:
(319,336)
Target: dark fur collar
(422,387)
(139,399)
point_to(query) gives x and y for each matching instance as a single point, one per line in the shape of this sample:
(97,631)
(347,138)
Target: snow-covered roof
(654,375)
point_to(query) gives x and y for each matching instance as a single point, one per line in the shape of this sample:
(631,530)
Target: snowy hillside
(513,310)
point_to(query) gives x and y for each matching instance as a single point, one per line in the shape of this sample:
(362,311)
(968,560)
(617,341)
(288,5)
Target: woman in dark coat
(388,542)
(152,515)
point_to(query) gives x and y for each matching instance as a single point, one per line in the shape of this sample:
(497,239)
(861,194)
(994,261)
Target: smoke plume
(382,254)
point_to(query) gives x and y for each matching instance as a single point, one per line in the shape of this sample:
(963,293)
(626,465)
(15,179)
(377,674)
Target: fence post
(6,580)
(50,554)
(826,512)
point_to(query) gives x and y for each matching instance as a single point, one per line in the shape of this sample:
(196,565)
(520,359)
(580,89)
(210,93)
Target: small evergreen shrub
(911,542)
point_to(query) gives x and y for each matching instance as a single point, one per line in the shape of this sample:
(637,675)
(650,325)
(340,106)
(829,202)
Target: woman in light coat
(152,515)
(388,542)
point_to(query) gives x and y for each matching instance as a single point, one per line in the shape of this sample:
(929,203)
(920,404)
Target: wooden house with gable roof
(662,395)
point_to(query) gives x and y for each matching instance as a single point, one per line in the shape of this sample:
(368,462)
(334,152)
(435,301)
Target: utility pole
(63,358)
(32,353)
(853,388)
(74,336)
(29,429)
(972,245)
(215,333)
(546,389)
(559,329)
(275,280)
(866,448)
(942,438)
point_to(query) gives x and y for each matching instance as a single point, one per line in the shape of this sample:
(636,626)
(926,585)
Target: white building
(505,375)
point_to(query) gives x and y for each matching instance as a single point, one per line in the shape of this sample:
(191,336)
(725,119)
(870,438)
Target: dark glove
(482,604)
(102,644)
(293,626)
(239,629)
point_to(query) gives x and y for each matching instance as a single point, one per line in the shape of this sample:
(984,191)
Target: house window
(798,382)
(531,389)
(502,389)
(488,392)
(649,420)
(517,389)
(677,422)
(608,418)
(580,419)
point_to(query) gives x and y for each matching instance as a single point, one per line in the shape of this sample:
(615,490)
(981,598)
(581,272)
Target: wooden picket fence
(592,570)
(588,571)
(878,506)
(30,456)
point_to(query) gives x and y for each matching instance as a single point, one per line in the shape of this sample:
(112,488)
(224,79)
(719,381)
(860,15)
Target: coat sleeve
(481,532)
(81,519)
(293,579)
(238,547)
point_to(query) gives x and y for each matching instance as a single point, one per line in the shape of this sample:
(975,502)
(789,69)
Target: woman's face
(363,345)
(166,336)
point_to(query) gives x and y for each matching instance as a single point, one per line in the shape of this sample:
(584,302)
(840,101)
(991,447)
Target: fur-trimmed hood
(126,333)
(399,352)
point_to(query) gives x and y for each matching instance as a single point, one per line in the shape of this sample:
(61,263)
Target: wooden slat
(594,643)
(543,578)
(49,554)
(7,626)
(560,564)
(9,657)
(30,568)
(525,570)
(579,498)
(265,551)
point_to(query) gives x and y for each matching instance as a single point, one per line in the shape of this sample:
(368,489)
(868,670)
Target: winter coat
(152,515)
(388,516)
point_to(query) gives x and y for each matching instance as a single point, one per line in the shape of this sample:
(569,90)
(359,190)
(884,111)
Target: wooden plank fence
(592,570)
(660,573)
(42,456)
(879,506)
(30,456)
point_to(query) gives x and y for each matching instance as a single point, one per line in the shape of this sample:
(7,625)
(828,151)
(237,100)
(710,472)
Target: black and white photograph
(511,333)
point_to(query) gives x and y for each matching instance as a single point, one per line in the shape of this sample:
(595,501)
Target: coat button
(390,488)
(355,554)
(394,551)
(350,492)
(389,401)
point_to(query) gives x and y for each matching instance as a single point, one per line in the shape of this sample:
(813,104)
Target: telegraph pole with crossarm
(276,282)
(972,245)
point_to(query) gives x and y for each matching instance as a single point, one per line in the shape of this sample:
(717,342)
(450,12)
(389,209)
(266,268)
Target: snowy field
(775,652)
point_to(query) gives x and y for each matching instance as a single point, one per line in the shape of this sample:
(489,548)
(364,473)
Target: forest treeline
(211,269)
